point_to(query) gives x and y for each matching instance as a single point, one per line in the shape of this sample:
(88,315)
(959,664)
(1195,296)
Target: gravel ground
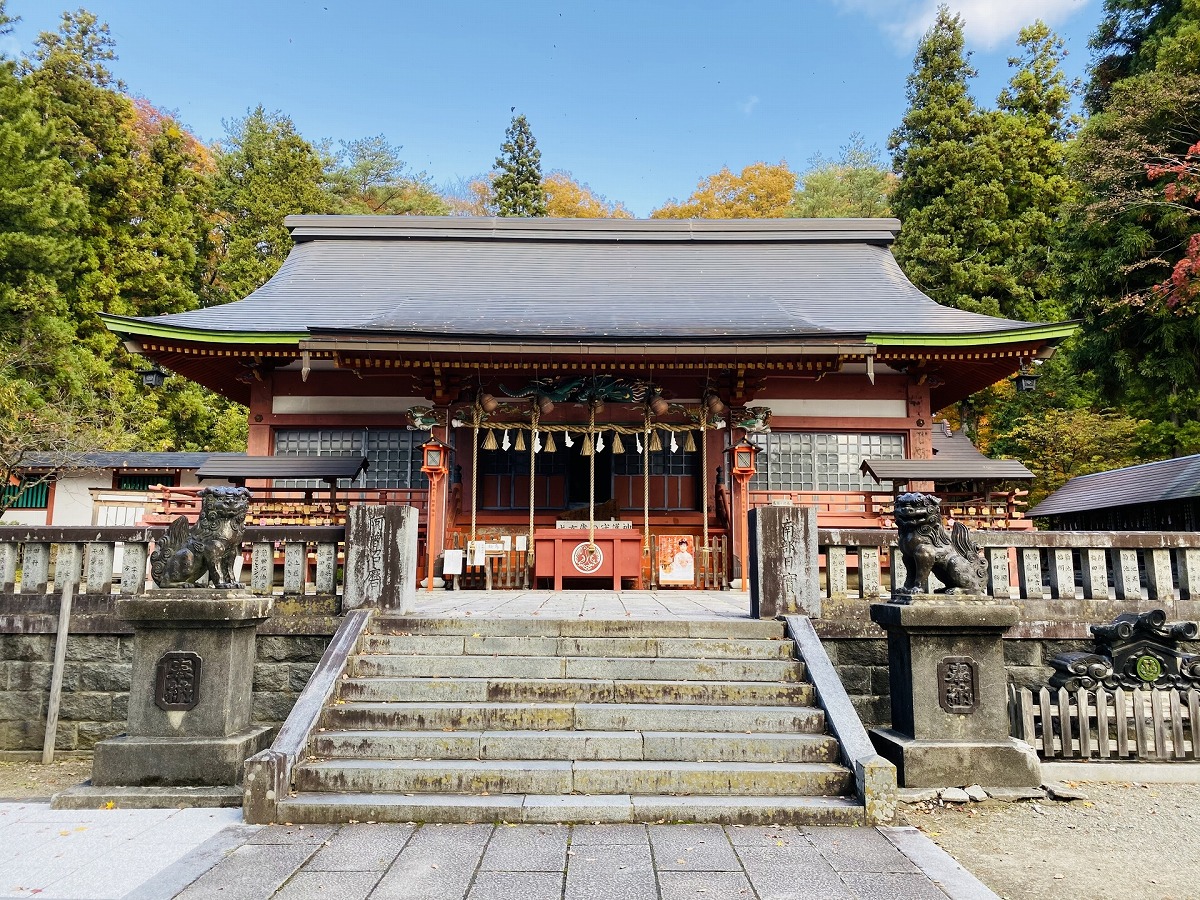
(1125,840)
(33,781)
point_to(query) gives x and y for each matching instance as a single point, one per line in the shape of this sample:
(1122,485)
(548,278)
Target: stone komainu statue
(185,554)
(927,549)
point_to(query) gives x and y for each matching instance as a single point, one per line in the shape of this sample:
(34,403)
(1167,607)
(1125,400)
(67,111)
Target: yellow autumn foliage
(760,191)
(568,199)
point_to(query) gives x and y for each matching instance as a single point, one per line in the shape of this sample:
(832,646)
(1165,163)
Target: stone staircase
(525,720)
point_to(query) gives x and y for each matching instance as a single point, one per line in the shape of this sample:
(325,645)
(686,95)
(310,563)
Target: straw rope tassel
(489,442)
(591,477)
(550,448)
(704,469)
(532,500)
(644,447)
(474,469)
(617,446)
(655,444)
(689,445)
(520,444)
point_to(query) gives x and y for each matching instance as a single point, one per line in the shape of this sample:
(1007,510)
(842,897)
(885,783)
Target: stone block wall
(862,664)
(95,694)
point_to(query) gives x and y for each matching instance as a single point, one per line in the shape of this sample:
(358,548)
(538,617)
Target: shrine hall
(628,387)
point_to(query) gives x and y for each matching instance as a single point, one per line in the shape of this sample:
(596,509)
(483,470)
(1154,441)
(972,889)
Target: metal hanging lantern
(1026,380)
(153,378)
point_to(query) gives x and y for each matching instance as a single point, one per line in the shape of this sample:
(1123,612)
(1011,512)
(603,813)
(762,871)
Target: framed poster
(676,559)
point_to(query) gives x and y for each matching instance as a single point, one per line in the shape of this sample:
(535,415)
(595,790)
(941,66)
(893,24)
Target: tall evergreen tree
(142,238)
(370,178)
(1126,43)
(1134,230)
(1033,126)
(950,197)
(265,171)
(41,213)
(517,187)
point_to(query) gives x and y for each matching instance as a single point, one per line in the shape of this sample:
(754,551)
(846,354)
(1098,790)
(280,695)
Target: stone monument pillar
(381,558)
(950,725)
(784,568)
(189,727)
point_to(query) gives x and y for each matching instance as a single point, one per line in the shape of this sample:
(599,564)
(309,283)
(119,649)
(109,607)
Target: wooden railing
(102,561)
(509,568)
(285,506)
(1102,724)
(1002,510)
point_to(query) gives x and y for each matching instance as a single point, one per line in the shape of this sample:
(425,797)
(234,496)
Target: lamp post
(435,466)
(743,467)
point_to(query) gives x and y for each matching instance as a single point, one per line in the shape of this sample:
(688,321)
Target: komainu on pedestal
(186,553)
(927,549)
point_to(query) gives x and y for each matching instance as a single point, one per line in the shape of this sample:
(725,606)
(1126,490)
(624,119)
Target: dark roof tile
(1170,479)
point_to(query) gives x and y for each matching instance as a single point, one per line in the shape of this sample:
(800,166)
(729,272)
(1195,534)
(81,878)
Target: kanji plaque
(958,685)
(177,681)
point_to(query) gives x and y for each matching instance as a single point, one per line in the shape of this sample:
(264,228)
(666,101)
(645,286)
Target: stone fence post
(381,558)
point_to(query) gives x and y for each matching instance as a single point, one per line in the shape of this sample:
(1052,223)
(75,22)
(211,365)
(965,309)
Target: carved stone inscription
(958,685)
(177,681)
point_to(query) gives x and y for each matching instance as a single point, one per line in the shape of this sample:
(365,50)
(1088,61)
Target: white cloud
(748,106)
(988,23)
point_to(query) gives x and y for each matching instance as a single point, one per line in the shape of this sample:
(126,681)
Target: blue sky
(640,99)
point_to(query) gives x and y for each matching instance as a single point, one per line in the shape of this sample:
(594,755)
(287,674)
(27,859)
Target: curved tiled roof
(584,279)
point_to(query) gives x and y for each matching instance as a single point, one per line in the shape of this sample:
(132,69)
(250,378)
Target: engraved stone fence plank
(1056,568)
(37,561)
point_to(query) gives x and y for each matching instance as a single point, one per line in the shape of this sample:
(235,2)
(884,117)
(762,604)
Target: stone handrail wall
(874,776)
(269,773)
(37,561)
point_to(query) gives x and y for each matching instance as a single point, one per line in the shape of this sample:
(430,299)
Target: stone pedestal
(189,702)
(950,725)
(784,567)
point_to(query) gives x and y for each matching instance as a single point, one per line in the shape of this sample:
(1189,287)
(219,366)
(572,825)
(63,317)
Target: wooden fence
(509,568)
(1101,724)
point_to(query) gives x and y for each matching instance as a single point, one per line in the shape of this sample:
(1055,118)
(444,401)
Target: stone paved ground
(201,854)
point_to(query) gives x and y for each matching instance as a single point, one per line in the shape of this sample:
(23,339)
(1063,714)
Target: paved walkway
(663,604)
(199,854)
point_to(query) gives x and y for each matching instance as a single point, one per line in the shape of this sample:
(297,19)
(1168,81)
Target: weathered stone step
(531,645)
(578,716)
(730,628)
(550,690)
(578,745)
(319,808)
(525,776)
(602,668)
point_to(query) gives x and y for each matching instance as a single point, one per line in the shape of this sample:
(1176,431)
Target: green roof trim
(143,328)
(1055,331)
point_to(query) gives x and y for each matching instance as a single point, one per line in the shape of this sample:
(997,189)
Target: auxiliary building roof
(1155,482)
(587,280)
